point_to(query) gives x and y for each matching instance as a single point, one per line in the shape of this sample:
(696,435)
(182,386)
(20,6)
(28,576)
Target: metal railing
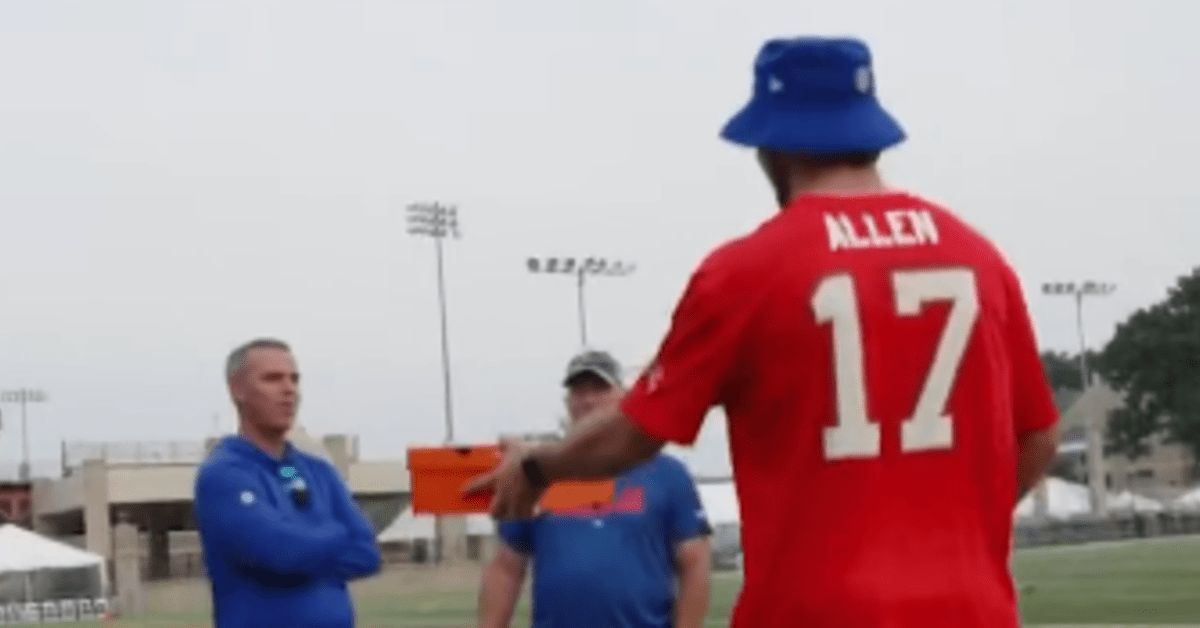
(133,452)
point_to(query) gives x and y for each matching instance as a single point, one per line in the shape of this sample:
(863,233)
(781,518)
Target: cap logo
(774,85)
(862,79)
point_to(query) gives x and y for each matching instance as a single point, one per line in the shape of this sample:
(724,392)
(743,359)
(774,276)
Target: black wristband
(533,472)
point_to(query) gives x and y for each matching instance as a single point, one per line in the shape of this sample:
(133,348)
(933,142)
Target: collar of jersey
(823,199)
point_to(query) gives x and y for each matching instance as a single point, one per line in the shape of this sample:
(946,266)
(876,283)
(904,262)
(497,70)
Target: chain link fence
(1090,529)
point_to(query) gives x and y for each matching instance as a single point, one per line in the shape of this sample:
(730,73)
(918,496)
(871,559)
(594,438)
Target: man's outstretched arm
(601,446)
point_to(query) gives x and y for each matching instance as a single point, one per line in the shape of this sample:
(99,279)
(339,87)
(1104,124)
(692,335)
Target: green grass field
(1135,583)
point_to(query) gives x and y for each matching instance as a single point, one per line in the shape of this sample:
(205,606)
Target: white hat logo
(862,79)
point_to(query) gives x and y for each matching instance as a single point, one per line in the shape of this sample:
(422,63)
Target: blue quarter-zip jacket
(281,538)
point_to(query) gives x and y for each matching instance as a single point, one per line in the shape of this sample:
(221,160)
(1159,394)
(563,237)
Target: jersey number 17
(928,427)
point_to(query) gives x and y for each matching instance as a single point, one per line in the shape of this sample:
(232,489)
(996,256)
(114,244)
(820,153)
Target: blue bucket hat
(814,95)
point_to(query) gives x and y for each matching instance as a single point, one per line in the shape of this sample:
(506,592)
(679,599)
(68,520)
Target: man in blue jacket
(280,533)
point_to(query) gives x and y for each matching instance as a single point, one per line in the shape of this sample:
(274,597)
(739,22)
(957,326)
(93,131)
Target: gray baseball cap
(598,363)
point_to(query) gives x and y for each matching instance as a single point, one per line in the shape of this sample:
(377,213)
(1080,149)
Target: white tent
(1188,501)
(1131,502)
(720,502)
(1063,500)
(410,527)
(481,525)
(41,577)
(22,550)
(1067,499)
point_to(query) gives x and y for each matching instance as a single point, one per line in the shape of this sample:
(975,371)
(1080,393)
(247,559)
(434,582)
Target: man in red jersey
(875,358)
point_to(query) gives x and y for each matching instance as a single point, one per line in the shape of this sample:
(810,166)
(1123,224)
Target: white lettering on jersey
(930,427)
(898,228)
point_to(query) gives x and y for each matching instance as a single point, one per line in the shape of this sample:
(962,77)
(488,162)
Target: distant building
(1165,472)
(1064,398)
(151,485)
(16,503)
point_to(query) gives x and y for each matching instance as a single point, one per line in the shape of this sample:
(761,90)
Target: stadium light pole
(23,396)
(1096,426)
(581,268)
(439,221)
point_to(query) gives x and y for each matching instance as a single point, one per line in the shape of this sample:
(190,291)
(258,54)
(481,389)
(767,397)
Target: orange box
(439,475)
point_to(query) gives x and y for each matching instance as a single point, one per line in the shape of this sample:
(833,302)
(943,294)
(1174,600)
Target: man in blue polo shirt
(642,561)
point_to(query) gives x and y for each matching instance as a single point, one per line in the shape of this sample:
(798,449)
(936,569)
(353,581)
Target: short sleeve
(1033,399)
(517,535)
(692,367)
(687,518)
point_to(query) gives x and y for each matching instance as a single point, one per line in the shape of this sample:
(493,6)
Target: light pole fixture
(1096,425)
(581,268)
(438,221)
(23,396)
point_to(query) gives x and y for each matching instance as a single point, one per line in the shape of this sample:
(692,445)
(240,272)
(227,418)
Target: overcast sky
(177,177)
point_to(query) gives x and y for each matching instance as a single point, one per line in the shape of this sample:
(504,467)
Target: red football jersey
(876,362)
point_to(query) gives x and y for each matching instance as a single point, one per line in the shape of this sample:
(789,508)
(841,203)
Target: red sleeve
(689,373)
(1033,400)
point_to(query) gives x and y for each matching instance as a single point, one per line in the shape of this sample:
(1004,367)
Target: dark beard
(779,181)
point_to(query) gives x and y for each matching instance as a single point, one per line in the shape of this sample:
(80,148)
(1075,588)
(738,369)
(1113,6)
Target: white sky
(177,177)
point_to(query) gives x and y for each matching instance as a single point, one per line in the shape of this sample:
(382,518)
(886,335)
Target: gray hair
(237,358)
